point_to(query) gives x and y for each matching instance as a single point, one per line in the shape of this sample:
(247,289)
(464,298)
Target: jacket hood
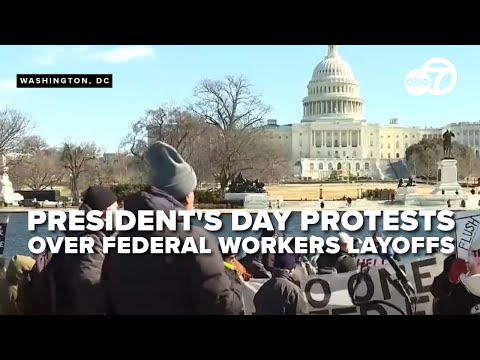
(17,266)
(151,199)
(282,273)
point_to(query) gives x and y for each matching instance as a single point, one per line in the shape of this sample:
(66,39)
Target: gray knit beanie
(169,172)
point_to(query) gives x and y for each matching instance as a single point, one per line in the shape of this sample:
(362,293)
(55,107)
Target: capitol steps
(392,170)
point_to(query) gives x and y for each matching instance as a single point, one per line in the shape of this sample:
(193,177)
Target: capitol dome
(333,66)
(333,91)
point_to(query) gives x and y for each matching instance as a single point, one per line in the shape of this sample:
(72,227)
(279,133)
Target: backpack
(38,293)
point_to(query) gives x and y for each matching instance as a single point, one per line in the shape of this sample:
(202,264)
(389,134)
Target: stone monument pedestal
(7,195)
(447,178)
(447,188)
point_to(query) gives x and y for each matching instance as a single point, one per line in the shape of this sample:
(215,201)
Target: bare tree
(229,104)
(118,169)
(170,124)
(99,172)
(413,163)
(272,161)
(429,162)
(33,144)
(13,128)
(466,162)
(39,171)
(76,157)
(235,114)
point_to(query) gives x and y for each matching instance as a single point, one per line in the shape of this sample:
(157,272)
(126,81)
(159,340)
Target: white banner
(370,260)
(330,294)
(467,224)
(467,245)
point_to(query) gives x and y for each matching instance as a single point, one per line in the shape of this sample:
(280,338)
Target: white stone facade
(333,135)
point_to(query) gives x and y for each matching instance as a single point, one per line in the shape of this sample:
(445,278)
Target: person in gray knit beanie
(171,173)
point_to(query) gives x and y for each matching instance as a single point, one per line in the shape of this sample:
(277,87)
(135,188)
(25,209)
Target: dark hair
(267,233)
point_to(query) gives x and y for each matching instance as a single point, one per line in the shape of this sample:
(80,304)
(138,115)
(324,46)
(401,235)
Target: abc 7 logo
(419,81)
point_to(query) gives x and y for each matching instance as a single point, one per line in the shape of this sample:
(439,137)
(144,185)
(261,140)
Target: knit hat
(169,172)
(344,238)
(99,197)
(285,261)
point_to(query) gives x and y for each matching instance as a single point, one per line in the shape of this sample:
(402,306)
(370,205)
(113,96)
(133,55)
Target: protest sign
(370,260)
(330,294)
(467,224)
(3,232)
(467,246)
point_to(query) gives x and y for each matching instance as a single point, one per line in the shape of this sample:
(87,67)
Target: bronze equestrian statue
(447,144)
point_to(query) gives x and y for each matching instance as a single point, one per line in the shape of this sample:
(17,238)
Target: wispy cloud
(123,54)
(48,56)
(53,55)
(9,86)
(84,49)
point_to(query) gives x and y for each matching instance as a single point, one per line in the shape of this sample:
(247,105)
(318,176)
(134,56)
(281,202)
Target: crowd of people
(114,284)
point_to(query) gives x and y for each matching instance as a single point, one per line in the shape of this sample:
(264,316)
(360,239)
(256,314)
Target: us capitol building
(334,136)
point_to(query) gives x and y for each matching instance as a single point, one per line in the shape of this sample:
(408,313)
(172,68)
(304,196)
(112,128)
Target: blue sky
(145,77)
